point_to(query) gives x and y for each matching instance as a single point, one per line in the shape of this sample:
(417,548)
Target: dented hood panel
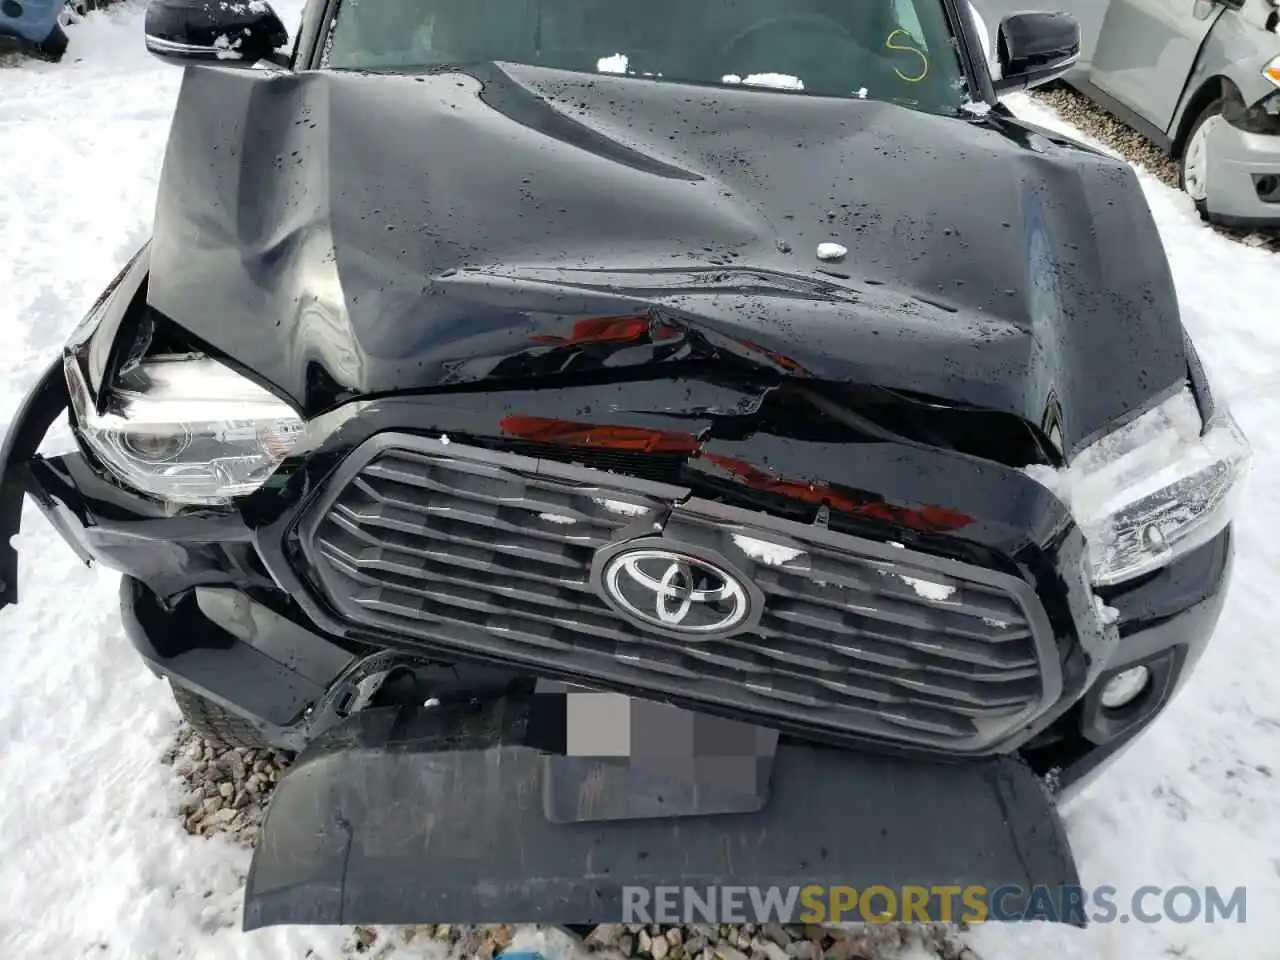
(344,235)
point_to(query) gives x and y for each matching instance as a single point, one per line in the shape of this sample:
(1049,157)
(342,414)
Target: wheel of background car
(810,21)
(1193,165)
(55,44)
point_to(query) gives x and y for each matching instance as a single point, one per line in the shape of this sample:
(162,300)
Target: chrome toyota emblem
(675,591)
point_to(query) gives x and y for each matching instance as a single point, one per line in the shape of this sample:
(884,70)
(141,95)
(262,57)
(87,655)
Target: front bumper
(256,557)
(1243,177)
(378,821)
(264,548)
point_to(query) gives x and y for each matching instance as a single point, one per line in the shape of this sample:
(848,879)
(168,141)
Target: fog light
(1125,687)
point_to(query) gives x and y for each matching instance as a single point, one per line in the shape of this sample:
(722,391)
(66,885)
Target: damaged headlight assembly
(185,429)
(1155,489)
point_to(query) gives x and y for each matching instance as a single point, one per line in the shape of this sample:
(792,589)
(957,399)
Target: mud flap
(408,815)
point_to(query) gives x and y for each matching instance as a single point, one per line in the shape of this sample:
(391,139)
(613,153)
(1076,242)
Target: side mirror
(226,32)
(1034,48)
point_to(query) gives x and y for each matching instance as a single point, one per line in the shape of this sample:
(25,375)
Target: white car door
(1146,51)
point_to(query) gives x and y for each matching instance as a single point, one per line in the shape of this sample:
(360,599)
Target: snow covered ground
(93,861)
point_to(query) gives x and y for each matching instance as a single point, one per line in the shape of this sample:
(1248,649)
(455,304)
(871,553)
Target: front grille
(491,554)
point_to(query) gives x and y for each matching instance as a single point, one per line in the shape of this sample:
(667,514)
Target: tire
(54,45)
(1214,109)
(219,728)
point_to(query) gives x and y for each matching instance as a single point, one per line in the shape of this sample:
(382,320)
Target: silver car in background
(1200,78)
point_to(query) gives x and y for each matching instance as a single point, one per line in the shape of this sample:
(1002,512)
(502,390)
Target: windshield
(898,50)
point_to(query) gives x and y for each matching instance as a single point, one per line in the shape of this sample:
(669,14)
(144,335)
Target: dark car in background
(745,366)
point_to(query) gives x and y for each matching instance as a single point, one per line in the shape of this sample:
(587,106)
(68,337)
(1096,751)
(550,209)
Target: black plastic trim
(32,421)
(183,644)
(1102,723)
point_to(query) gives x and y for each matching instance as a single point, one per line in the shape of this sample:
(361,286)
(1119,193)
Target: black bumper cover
(410,815)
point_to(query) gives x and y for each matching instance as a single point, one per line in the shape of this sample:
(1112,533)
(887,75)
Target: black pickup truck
(747,363)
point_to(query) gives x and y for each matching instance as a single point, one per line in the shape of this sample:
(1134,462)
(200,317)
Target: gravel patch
(774,941)
(228,789)
(1089,118)
(1094,121)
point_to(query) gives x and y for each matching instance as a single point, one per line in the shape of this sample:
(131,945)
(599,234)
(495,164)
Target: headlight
(185,429)
(1272,70)
(1155,489)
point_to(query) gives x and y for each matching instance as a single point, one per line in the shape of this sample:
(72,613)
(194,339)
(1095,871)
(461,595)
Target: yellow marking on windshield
(924,58)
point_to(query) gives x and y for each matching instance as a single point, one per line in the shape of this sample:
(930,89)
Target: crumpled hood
(345,235)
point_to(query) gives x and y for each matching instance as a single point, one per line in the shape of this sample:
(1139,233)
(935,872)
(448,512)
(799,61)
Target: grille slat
(455,515)
(892,590)
(901,652)
(446,530)
(452,552)
(579,506)
(491,554)
(425,578)
(958,688)
(844,628)
(493,570)
(924,616)
(474,605)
